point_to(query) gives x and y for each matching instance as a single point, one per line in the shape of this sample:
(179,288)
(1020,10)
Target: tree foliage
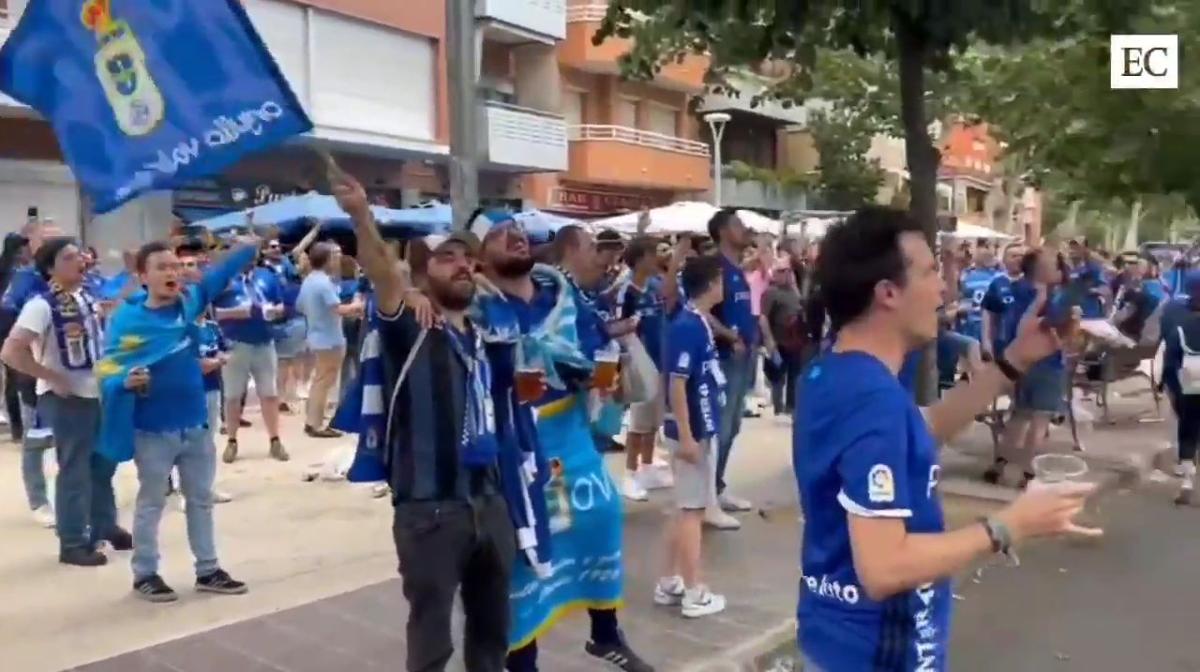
(847,177)
(1050,100)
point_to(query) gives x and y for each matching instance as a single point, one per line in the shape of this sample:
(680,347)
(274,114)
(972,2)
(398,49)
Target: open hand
(422,308)
(1049,511)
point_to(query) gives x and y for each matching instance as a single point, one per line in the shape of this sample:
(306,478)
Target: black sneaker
(284,408)
(120,540)
(82,557)
(619,655)
(243,423)
(1026,479)
(220,582)
(277,450)
(154,589)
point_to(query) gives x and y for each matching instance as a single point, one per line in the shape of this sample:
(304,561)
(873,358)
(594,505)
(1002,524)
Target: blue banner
(148,94)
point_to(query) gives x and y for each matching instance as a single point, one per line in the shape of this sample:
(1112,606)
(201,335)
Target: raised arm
(217,278)
(374,254)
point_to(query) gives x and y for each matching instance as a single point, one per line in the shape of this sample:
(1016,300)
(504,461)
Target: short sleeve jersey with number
(692,354)
(974,285)
(861,448)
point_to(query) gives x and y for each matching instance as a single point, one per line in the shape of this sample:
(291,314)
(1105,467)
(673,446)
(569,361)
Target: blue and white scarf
(478,446)
(75,322)
(364,409)
(553,342)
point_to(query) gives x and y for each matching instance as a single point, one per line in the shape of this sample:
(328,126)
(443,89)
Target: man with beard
(448,444)
(535,308)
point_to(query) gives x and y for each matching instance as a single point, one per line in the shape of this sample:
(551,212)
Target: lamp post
(716,124)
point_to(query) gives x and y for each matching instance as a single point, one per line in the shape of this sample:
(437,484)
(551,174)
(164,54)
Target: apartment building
(32,172)
(631,145)
(765,149)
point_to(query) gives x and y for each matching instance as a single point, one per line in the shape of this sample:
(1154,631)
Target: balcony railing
(634,136)
(524,138)
(586,12)
(543,17)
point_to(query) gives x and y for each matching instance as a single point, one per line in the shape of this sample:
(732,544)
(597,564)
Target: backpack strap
(412,355)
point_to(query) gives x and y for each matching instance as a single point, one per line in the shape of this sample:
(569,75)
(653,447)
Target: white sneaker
(714,517)
(700,601)
(632,489)
(668,592)
(380,490)
(1179,469)
(44,516)
(651,477)
(729,502)
(220,497)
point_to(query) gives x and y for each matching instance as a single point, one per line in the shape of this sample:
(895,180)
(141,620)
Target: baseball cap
(436,240)
(483,222)
(609,238)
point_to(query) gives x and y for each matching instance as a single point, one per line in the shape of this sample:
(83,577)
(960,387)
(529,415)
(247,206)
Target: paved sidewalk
(756,567)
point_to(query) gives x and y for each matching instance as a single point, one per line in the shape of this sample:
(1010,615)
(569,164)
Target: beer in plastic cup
(608,361)
(531,384)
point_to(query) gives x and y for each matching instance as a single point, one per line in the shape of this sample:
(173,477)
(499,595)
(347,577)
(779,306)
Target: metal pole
(718,131)
(464,144)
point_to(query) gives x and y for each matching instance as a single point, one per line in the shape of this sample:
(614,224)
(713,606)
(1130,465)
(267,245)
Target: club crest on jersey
(881,487)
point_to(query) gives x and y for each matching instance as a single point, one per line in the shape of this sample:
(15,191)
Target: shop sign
(589,202)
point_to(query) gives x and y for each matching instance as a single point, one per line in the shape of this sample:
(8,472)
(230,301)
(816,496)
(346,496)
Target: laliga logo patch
(121,68)
(881,487)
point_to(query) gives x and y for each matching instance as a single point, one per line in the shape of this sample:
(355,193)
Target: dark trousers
(442,546)
(783,383)
(12,403)
(1187,409)
(84,504)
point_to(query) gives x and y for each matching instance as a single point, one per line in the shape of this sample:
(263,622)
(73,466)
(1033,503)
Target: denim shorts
(289,338)
(1043,389)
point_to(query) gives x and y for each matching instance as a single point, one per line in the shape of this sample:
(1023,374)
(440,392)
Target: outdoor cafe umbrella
(683,217)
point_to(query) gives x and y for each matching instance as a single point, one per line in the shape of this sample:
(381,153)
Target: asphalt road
(1127,603)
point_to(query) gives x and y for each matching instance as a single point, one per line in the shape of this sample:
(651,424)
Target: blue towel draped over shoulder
(139,337)
(554,341)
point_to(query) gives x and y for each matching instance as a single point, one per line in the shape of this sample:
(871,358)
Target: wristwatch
(1007,368)
(999,534)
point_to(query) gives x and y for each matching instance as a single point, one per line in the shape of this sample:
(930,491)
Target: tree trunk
(923,161)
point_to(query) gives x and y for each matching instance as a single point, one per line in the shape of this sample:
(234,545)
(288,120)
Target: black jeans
(12,402)
(1187,409)
(444,545)
(783,384)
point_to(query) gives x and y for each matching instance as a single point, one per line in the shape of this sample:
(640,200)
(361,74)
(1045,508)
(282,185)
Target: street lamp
(716,124)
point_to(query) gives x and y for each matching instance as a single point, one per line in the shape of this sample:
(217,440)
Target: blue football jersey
(862,448)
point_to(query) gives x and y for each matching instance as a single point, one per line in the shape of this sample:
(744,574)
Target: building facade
(32,172)
(631,145)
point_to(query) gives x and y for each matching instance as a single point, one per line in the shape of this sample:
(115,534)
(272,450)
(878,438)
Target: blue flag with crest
(148,94)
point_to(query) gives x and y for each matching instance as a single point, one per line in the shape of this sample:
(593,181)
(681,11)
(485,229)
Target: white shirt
(36,317)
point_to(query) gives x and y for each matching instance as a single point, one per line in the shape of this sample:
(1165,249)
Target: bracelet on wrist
(998,534)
